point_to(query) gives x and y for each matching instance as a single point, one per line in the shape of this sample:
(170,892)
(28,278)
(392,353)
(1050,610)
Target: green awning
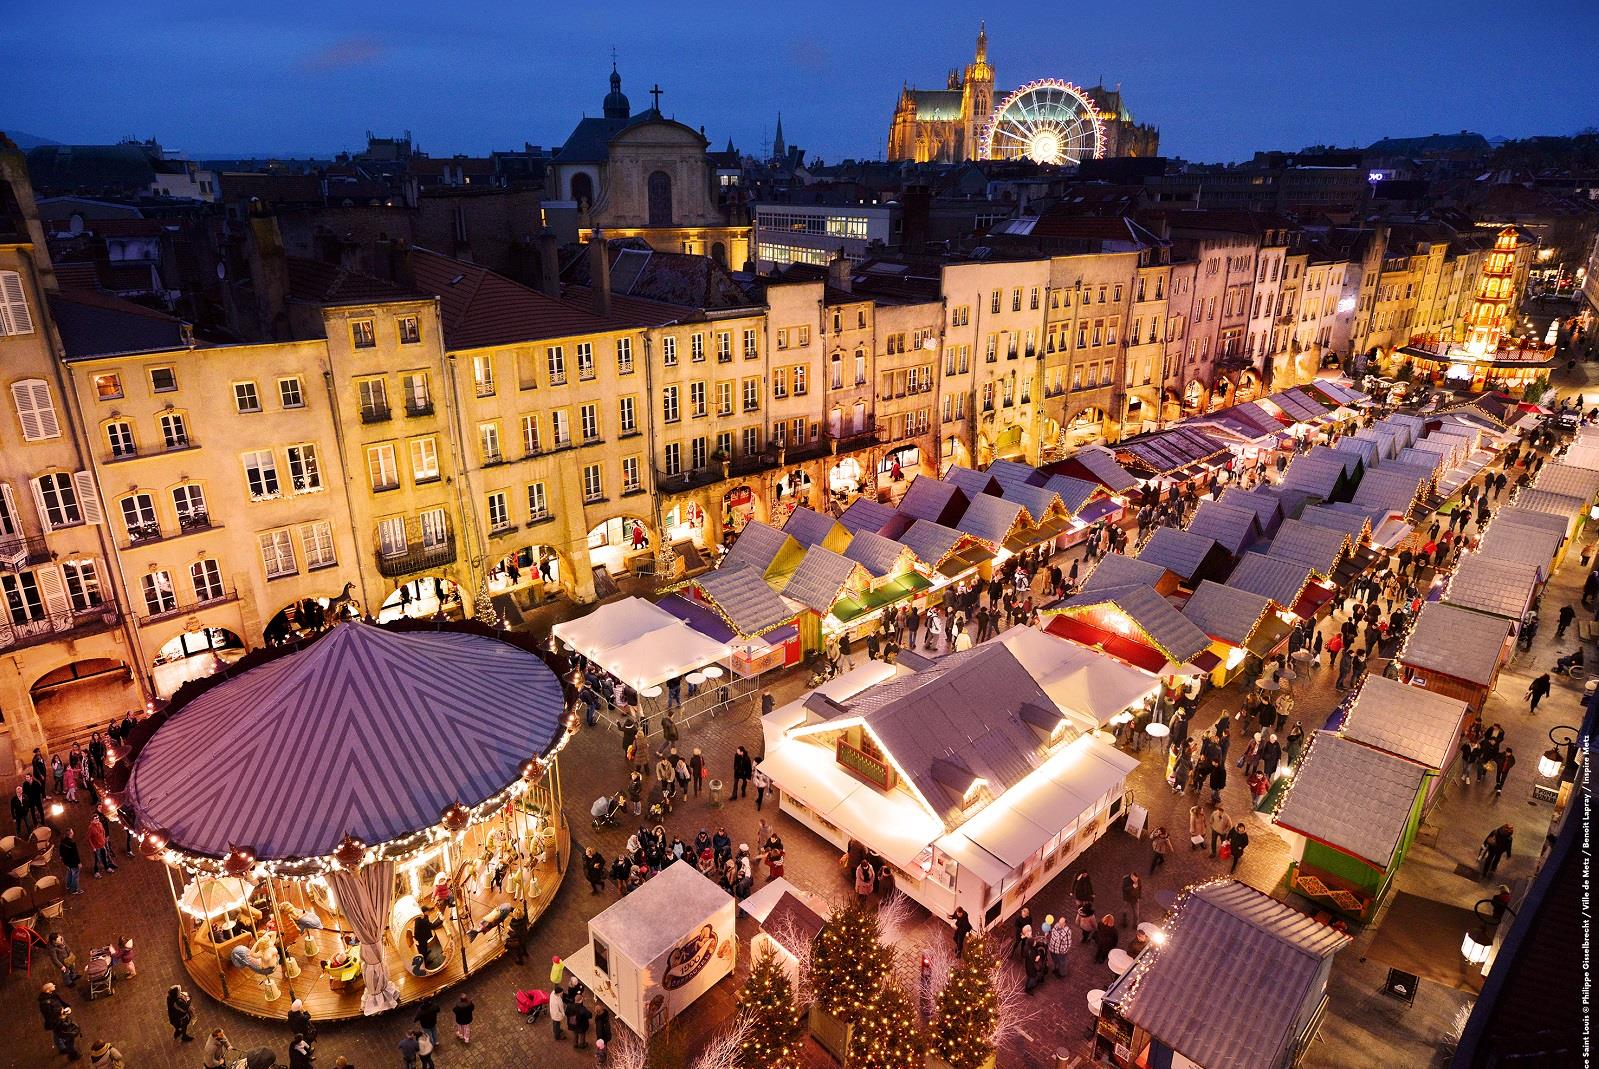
(851,607)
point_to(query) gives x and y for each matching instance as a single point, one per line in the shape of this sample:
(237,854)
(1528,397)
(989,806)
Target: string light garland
(766,1005)
(848,963)
(885,1035)
(967,1012)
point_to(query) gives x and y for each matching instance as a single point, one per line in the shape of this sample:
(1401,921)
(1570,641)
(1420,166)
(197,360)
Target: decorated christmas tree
(767,1007)
(968,1011)
(885,1034)
(848,963)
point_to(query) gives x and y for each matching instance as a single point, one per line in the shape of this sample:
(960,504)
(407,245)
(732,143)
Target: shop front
(738,509)
(846,478)
(790,491)
(897,466)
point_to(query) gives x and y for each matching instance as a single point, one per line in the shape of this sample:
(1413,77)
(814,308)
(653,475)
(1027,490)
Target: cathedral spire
(982,42)
(779,150)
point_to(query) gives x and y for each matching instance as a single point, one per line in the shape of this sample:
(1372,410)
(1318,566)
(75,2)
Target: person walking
(427,1018)
(66,1033)
(217,1046)
(594,869)
(963,928)
(761,783)
(1132,891)
(1538,690)
(1159,847)
(1495,846)
(1059,945)
(104,1056)
(1220,825)
(1567,615)
(180,1013)
(425,1047)
(462,1011)
(743,771)
(301,1054)
(72,860)
(1237,843)
(1196,827)
(1507,761)
(51,1007)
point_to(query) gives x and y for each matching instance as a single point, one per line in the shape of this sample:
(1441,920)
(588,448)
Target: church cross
(655,91)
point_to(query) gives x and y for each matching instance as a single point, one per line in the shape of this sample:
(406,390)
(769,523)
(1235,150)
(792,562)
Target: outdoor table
(694,679)
(713,671)
(1157,730)
(1119,961)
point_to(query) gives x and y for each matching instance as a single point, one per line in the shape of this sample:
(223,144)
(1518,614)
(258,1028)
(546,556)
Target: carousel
(360,822)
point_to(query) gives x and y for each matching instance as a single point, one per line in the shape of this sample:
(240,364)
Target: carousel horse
(344,605)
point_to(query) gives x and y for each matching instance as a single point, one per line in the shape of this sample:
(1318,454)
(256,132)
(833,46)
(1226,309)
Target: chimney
(549,264)
(838,273)
(269,272)
(600,274)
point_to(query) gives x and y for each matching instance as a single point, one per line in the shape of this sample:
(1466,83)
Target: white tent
(1087,685)
(639,643)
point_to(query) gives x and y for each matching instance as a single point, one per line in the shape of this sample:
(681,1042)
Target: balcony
(19,553)
(416,558)
(418,409)
(141,533)
(375,414)
(865,766)
(848,439)
(184,608)
(69,624)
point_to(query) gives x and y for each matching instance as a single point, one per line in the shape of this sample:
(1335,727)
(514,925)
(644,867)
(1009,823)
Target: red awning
(1205,661)
(1134,653)
(1310,602)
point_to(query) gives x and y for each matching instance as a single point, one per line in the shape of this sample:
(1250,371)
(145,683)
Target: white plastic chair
(48,896)
(46,852)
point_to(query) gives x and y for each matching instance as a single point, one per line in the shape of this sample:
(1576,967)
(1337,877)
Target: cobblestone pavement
(135,901)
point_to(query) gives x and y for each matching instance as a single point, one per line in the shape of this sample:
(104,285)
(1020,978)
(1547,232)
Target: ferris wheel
(1047,121)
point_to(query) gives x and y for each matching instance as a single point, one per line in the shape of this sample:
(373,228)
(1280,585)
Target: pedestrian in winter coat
(963,928)
(1083,887)
(66,1033)
(51,1004)
(1132,891)
(1270,755)
(1105,938)
(1237,842)
(1196,827)
(1567,615)
(743,771)
(1218,780)
(64,959)
(180,1013)
(865,880)
(1507,761)
(216,1050)
(1538,690)
(300,1056)
(1496,846)
(1220,825)
(462,1011)
(1159,847)
(104,1056)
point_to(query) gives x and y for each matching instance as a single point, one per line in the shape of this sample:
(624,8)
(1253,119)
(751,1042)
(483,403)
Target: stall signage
(689,960)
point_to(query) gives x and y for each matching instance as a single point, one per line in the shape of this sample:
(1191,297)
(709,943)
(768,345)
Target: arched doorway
(538,572)
(583,191)
(1248,388)
(1193,396)
(793,489)
(660,198)
(897,466)
(1052,441)
(311,616)
(845,480)
(954,454)
(738,509)
(422,597)
(1085,427)
(79,697)
(618,541)
(194,654)
(719,253)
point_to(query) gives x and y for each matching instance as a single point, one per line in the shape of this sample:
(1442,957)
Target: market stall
(1455,652)
(1407,721)
(1349,816)
(404,801)
(640,643)
(1237,980)
(1240,625)
(1190,556)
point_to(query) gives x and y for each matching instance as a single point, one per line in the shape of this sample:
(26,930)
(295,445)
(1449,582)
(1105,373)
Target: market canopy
(641,644)
(366,732)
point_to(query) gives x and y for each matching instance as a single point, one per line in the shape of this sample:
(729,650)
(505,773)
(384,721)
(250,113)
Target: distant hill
(25,140)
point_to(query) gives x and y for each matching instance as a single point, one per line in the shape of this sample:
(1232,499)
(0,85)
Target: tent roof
(641,644)
(1393,487)
(749,604)
(365,732)
(1268,508)
(1103,465)
(990,518)
(1037,500)
(973,483)
(1183,553)
(1009,473)
(1568,479)
(1074,493)
(1232,526)
(821,577)
(1500,587)
(933,499)
(1271,576)
(1082,682)
(1519,541)
(1318,547)
(766,549)
(1352,522)
(1456,642)
(1227,988)
(1226,612)
(864,514)
(1353,797)
(811,528)
(1118,569)
(878,555)
(1169,630)
(1406,721)
(1552,502)
(931,542)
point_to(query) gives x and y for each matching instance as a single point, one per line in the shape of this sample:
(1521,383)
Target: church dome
(616,104)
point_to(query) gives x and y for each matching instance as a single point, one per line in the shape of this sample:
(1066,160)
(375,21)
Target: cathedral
(946,125)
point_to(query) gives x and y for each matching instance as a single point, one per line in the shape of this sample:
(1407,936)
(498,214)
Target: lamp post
(1560,760)
(1478,942)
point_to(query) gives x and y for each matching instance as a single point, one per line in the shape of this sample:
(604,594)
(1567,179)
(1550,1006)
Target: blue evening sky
(1220,79)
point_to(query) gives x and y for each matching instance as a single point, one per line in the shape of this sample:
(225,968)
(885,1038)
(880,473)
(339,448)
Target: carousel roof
(366,732)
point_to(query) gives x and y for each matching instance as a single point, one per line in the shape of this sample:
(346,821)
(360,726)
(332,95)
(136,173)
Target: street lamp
(1478,942)
(1560,760)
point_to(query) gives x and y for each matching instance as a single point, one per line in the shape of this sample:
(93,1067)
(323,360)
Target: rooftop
(1352,797)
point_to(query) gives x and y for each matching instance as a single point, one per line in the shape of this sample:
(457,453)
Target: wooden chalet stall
(1455,652)
(1406,721)
(1349,817)
(1240,625)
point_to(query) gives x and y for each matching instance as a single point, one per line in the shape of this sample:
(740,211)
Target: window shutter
(88,497)
(14,315)
(53,590)
(35,409)
(38,501)
(10,522)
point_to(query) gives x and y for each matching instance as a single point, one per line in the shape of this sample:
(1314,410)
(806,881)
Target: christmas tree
(885,1035)
(968,1011)
(848,963)
(767,1007)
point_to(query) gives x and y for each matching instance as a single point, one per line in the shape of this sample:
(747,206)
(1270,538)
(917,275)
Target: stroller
(100,974)
(605,809)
